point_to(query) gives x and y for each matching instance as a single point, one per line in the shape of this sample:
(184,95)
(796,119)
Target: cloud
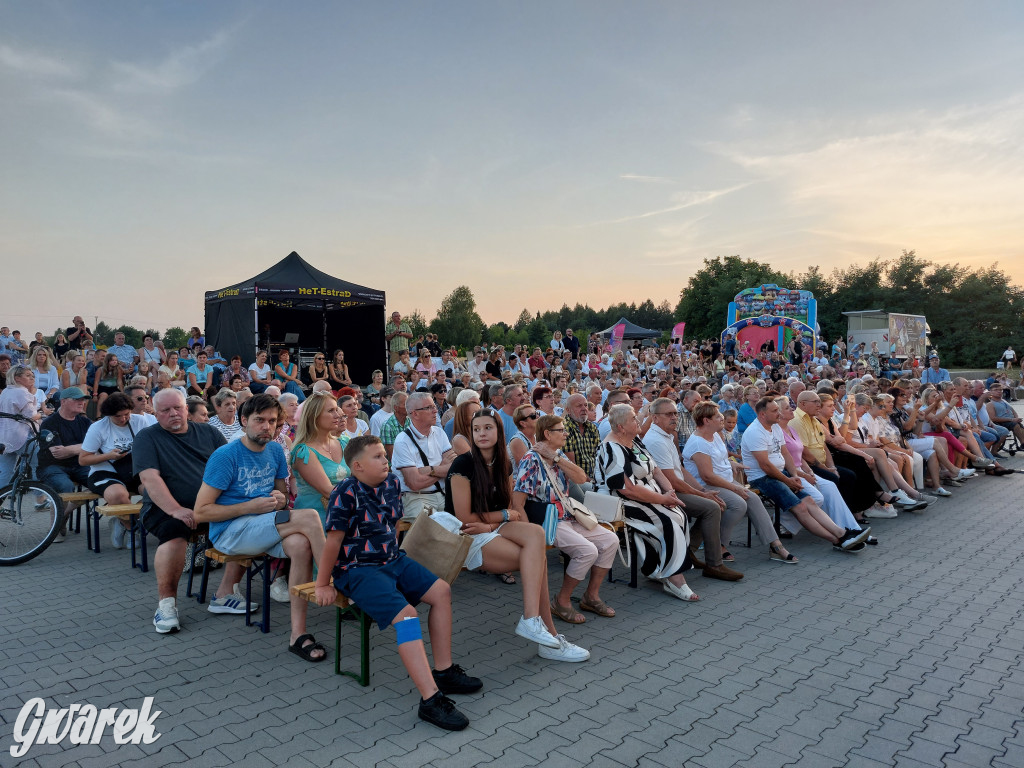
(647,179)
(181,68)
(104,118)
(36,64)
(682,201)
(943,182)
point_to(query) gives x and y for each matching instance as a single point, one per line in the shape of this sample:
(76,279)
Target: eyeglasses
(532,417)
(557,429)
(426,408)
(141,399)
(664,413)
(318,358)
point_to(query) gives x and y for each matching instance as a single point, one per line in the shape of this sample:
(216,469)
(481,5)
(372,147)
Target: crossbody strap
(423,456)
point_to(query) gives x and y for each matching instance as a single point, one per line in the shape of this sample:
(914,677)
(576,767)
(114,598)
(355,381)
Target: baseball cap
(73,393)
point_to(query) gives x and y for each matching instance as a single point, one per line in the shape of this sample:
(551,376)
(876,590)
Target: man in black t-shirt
(78,336)
(170,458)
(58,464)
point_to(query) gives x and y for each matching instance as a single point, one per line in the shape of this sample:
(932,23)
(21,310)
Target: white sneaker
(233,603)
(965,473)
(941,492)
(565,651)
(535,631)
(929,500)
(884,511)
(166,618)
(117,534)
(279,590)
(904,498)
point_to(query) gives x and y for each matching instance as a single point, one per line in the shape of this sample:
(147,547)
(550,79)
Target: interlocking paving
(909,654)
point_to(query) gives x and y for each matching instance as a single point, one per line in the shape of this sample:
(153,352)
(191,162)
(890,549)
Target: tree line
(973,313)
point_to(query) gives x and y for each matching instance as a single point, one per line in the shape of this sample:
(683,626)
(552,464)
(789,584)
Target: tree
(102,334)
(704,303)
(457,321)
(417,323)
(174,338)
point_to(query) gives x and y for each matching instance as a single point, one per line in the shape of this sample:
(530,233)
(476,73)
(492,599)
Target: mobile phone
(282,516)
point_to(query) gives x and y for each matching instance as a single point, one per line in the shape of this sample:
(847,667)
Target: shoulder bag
(578,510)
(437,549)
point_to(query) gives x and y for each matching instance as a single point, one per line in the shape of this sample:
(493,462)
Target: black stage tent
(293,297)
(633,331)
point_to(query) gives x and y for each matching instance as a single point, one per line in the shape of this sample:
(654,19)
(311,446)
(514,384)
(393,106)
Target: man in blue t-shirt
(244,498)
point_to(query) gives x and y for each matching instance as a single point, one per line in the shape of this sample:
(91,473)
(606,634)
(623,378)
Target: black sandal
(506,578)
(306,651)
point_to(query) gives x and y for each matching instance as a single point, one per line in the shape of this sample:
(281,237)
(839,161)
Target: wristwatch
(558,457)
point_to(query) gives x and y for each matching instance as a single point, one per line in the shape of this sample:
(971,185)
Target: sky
(539,152)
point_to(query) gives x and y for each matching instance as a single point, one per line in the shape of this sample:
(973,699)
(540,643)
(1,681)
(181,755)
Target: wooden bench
(253,564)
(79,499)
(308,592)
(96,511)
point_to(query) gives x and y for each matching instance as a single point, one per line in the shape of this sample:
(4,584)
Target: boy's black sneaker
(441,711)
(455,680)
(852,538)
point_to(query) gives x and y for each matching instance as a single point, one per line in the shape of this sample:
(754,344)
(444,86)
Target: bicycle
(31,512)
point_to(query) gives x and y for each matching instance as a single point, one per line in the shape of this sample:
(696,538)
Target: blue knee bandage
(408,630)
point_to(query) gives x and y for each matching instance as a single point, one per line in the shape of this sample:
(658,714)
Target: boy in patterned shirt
(362,559)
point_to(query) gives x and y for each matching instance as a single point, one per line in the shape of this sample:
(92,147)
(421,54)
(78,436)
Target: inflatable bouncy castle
(767,318)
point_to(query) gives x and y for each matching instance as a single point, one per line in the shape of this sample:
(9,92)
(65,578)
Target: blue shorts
(384,591)
(251,535)
(779,492)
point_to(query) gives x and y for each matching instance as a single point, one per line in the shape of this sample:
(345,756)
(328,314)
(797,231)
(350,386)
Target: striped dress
(661,534)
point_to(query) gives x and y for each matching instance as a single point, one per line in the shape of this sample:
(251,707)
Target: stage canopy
(633,331)
(293,297)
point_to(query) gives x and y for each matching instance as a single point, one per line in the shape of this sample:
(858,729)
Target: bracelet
(504,515)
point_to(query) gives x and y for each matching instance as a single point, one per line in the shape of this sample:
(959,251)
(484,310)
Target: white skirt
(475,556)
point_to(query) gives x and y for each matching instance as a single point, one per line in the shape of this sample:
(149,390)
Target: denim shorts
(251,535)
(384,591)
(779,492)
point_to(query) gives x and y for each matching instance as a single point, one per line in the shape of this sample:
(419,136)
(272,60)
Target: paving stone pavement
(908,654)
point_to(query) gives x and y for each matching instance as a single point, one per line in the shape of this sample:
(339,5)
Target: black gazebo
(294,305)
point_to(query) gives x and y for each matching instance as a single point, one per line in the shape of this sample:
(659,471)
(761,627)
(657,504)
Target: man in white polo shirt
(422,456)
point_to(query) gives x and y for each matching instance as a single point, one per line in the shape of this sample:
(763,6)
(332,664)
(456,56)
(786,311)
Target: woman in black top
(478,491)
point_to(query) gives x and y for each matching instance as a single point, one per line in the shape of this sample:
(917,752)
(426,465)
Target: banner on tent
(617,333)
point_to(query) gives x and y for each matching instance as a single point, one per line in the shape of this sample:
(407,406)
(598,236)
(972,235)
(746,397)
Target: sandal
(776,555)
(600,607)
(506,578)
(299,648)
(727,557)
(567,614)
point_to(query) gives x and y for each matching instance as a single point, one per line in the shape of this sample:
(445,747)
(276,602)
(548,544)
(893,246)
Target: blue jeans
(63,479)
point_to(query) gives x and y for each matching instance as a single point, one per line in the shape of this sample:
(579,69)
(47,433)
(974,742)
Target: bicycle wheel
(31,514)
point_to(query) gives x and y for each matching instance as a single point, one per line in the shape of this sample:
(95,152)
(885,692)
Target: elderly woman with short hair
(542,479)
(625,469)
(225,403)
(706,457)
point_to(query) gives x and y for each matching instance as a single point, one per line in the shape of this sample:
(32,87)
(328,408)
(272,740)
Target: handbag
(437,549)
(606,508)
(545,515)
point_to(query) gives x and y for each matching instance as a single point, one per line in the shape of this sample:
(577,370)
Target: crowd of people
(316,469)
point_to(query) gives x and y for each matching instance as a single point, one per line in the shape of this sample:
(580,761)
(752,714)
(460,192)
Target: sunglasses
(532,417)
